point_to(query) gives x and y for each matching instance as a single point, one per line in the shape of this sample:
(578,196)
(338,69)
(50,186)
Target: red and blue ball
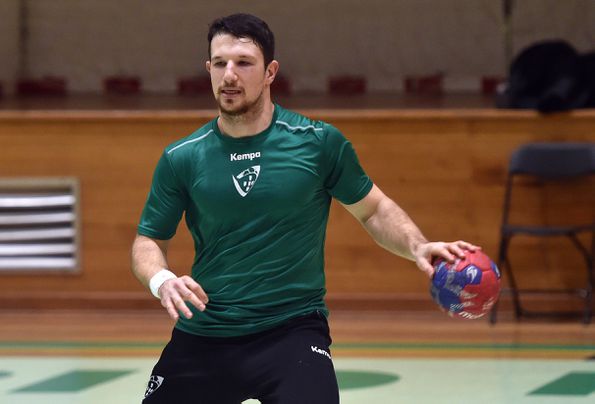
(467,288)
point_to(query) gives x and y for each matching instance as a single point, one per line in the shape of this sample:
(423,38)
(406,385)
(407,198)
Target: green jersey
(257,209)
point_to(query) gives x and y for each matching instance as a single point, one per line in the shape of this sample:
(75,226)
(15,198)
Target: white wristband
(158,279)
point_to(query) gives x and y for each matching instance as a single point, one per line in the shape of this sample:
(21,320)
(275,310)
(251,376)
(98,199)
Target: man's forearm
(148,258)
(393,229)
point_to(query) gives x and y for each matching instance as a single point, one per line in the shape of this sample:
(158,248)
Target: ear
(208,66)
(271,72)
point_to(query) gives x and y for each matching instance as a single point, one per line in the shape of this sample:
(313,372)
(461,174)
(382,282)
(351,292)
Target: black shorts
(288,364)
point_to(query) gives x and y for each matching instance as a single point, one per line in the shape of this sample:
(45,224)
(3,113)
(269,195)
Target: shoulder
(295,123)
(188,143)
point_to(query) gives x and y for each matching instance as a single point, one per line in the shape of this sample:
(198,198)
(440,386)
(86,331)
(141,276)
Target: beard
(246,107)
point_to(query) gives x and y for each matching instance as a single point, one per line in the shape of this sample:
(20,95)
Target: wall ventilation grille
(39,224)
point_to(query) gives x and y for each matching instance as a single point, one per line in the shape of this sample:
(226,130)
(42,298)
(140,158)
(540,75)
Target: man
(255,185)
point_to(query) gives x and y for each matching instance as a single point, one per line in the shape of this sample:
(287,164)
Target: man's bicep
(162,244)
(165,203)
(367,206)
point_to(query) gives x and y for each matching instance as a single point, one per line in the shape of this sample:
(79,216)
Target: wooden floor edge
(340,302)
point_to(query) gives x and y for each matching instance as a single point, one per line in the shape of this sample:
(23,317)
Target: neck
(249,123)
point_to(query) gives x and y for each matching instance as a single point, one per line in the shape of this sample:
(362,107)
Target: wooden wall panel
(445,168)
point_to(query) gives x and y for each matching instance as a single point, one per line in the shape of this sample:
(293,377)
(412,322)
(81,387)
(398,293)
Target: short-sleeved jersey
(257,208)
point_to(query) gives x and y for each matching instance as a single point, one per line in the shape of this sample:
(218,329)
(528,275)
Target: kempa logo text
(245,156)
(320,351)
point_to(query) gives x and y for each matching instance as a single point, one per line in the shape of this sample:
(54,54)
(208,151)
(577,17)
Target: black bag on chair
(587,68)
(548,77)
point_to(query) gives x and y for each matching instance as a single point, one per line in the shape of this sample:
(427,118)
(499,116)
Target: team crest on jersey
(154,383)
(245,180)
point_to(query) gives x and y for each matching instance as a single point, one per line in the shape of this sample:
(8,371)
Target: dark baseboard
(336,301)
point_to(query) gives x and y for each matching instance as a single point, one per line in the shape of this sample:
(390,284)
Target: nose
(230,75)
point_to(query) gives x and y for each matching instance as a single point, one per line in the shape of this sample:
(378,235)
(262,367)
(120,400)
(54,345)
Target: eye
(219,64)
(244,63)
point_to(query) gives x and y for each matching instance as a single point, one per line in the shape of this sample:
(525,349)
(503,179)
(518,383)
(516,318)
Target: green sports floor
(122,380)
(106,357)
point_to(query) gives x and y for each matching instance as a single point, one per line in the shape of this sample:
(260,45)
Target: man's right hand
(176,292)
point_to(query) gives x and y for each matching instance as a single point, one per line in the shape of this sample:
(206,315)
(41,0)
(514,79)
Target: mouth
(230,92)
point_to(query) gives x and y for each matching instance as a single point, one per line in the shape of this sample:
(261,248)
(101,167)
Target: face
(239,78)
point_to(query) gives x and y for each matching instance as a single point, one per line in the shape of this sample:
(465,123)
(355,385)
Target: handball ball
(467,288)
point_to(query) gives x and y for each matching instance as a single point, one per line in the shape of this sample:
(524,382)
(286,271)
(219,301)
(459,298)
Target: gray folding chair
(549,162)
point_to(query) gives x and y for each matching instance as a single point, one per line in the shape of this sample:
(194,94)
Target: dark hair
(245,26)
